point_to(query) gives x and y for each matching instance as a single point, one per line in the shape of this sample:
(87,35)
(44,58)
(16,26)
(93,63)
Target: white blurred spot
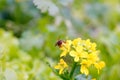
(46,5)
(10,75)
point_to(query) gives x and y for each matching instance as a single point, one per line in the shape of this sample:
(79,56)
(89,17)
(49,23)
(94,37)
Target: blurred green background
(28,36)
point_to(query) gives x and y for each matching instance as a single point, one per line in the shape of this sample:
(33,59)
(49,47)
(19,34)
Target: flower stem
(73,69)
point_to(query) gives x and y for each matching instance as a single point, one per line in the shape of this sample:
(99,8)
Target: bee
(59,43)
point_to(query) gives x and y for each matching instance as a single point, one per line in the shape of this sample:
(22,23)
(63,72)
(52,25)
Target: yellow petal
(69,42)
(76,59)
(57,67)
(60,71)
(84,55)
(79,48)
(93,46)
(94,79)
(84,70)
(64,53)
(99,65)
(76,41)
(73,53)
(102,64)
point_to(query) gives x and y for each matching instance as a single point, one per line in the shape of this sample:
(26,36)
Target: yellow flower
(94,79)
(76,42)
(93,46)
(84,70)
(77,54)
(61,66)
(93,57)
(83,52)
(99,65)
(65,48)
(65,51)
(84,67)
(89,46)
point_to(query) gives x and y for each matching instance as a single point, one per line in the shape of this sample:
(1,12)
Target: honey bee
(59,43)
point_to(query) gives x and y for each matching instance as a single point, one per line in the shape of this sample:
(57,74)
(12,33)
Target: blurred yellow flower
(94,79)
(84,67)
(61,66)
(84,70)
(99,65)
(77,54)
(93,57)
(65,47)
(76,42)
(89,46)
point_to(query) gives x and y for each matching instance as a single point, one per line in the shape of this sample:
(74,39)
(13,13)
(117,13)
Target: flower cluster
(82,52)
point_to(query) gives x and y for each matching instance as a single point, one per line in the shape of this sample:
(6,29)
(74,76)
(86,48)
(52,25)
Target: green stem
(72,71)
